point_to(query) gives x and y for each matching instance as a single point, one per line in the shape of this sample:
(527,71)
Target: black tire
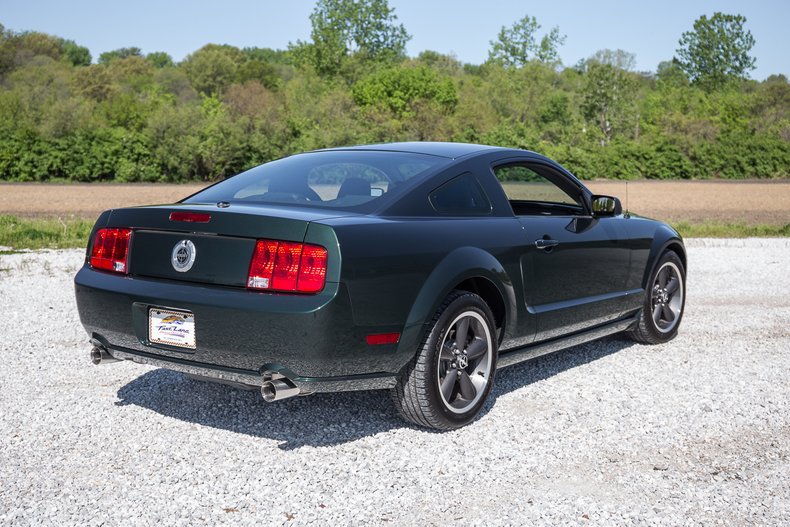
(664,302)
(435,389)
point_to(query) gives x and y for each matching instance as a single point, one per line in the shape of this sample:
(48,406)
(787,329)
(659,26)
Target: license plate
(174,328)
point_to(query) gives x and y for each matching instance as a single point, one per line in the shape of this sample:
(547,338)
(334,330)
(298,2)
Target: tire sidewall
(669,256)
(464,303)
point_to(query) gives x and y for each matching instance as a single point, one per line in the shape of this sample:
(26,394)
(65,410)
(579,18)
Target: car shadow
(322,419)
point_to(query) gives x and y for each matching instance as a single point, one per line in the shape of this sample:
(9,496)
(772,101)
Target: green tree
(399,89)
(212,68)
(94,82)
(221,147)
(717,50)
(120,53)
(344,27)
(136,118)
(518,44)
(670,73)
(617,58)
(440,62)
(272,56)
(258,70)
(160,59)
(76,54)
(6,49)
(408,102)
(34,43)
(609,96)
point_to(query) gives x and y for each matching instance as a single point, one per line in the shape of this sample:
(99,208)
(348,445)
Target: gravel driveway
(694,431)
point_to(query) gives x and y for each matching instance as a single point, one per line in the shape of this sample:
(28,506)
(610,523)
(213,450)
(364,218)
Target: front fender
(664,238)
(459,265)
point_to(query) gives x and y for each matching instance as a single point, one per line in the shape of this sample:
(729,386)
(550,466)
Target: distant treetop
(717,50)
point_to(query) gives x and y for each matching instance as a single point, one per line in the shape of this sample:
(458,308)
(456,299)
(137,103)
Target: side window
(461,195)
(537,190)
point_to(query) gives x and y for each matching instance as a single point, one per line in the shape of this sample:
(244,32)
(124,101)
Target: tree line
(143,117)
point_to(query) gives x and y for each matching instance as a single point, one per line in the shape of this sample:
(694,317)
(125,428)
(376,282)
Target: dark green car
(415,267)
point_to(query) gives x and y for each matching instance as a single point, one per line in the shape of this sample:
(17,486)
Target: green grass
(714,229)
(49,233)
(45,233)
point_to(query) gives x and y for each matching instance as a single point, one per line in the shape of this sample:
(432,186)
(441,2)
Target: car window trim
(572,181)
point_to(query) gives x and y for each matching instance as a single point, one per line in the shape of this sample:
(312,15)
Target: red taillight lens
(287,267)
(192,217)
(111,249)
(262,265)
(312,269)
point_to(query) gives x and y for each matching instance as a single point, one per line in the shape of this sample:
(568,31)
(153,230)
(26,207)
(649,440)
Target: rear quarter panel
(399,270)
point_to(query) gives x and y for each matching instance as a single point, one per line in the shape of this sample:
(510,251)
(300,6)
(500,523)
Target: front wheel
(665,300)
(447,383)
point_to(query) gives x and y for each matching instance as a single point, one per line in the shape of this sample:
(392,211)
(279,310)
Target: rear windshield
(345,180)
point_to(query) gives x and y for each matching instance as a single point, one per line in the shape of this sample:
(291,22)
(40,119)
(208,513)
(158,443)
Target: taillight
(111,249)
(312,269)
(287,267)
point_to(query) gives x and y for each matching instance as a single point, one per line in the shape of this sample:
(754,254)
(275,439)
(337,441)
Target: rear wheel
(665,300)
(447,383)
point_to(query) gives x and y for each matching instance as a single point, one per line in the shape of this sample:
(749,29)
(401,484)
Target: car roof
(440,149)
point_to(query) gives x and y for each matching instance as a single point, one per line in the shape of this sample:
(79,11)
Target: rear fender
(459,265)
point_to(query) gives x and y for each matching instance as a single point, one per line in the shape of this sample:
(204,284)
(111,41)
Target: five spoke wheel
(667,297)
(447,383)
(465,362)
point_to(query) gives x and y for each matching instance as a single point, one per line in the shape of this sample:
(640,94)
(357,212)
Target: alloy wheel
(667,297)
(465,362)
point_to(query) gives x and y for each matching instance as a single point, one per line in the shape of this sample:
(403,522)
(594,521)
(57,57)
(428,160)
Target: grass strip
(44,233)
(715,229)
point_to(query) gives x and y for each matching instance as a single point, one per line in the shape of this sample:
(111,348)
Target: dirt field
(750,202)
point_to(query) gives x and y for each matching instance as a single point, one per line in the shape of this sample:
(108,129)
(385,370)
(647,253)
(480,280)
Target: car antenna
(627,215)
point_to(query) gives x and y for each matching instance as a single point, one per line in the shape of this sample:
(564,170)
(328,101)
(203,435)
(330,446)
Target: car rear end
(244,281)
(242,294)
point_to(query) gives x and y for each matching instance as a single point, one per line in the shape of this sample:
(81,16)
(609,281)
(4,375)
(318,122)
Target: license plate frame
(172,327)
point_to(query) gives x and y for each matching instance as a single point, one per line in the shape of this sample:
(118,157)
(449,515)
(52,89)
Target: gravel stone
(695,431)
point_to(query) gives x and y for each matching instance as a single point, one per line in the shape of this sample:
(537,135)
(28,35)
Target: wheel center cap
(462,361)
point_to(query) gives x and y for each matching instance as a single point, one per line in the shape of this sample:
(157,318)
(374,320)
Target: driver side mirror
(606,206)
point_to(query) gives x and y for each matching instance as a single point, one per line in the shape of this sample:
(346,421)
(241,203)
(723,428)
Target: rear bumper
(240,334)
(306,385)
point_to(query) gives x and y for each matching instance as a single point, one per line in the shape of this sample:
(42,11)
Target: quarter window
(461,195)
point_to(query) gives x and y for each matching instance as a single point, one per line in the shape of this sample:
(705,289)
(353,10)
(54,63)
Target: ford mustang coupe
(415,267)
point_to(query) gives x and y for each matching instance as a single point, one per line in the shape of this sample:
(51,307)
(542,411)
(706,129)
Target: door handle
(545,244)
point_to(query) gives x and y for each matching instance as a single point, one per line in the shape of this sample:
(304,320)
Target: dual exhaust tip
(99,355)
(275,387)
(278,389)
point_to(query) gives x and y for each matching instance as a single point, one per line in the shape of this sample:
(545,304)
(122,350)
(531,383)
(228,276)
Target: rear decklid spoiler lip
(248,221)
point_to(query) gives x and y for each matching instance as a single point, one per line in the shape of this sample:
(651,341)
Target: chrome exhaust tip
(100,355)
(278,389)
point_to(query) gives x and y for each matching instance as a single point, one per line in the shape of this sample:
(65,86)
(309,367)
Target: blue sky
(649,29)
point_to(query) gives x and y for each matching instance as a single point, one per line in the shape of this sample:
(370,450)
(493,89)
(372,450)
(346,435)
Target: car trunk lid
(221,240)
